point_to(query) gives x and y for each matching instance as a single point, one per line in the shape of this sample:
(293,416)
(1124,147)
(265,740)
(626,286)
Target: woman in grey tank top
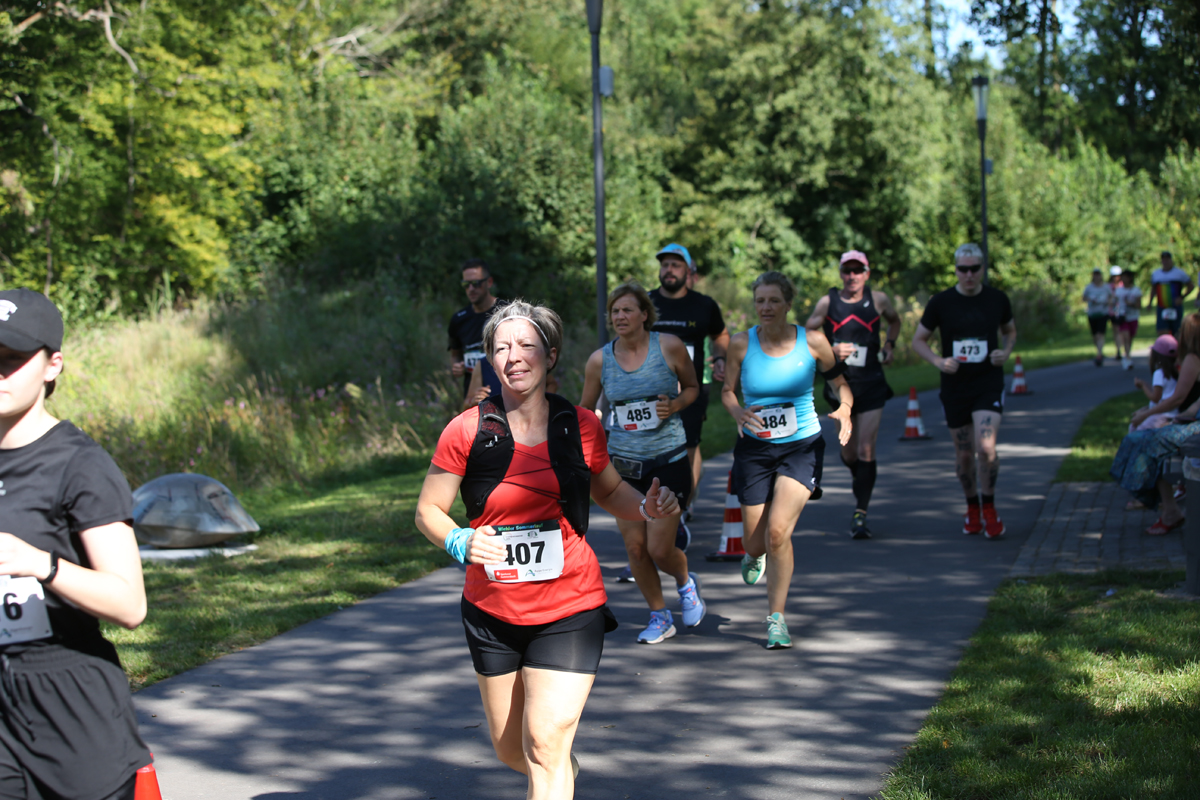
(648,379)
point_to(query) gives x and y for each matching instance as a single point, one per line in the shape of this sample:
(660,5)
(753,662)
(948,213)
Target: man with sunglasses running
(466,326)
(972,317)
(852,319)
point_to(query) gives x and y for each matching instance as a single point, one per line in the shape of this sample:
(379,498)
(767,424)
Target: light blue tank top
(651,379)
(767,380)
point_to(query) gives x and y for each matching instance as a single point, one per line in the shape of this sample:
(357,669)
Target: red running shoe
(993,526)
(972,524)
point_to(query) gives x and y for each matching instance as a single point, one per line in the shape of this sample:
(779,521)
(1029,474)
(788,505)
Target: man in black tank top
(852,318)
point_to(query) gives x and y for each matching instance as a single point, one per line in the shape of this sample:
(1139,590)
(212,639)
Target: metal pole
(595,8)
(983,191)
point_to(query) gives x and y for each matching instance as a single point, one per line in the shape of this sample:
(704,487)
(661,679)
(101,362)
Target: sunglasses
(474,284)
(853,270)
(971,269)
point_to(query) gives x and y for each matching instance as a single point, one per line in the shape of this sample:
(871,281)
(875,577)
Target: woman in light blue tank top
(648,379)
(778,457)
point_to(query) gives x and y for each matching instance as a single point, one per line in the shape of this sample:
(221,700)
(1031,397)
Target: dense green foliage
(177,148)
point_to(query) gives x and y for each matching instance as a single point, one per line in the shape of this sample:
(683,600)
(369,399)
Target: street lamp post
(595,14)
(979,89)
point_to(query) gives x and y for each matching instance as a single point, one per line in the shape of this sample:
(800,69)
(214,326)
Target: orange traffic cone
(1018,382)
(731,530)
(146,785)
(914,428)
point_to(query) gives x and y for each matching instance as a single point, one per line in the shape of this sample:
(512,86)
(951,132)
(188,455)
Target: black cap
(28,321)
(1166,254)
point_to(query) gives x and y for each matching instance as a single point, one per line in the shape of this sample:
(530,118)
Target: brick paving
(1084,527)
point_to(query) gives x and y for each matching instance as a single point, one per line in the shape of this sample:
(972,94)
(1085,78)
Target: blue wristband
(456,543)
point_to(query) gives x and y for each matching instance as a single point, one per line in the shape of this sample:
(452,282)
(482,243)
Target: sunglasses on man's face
(474,284)
(853,270)
(971,268)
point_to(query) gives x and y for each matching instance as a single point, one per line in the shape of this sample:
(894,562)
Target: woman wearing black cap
(68,558)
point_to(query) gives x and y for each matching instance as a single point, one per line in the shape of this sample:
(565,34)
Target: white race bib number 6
(970,351)
(637,415)
(24,617)
(471,358)
(1170,313)
(534,552)
(779,421)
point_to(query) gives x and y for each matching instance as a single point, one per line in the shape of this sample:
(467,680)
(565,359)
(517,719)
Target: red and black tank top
(859,324)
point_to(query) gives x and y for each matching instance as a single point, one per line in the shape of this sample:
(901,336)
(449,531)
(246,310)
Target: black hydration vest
(858,323)
(492,453)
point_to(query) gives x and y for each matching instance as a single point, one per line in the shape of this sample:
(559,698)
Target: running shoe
(689,598)
(777,632)
(625,575)
(972,524)
(753,568)
(1099,361)
(661,627)
(993,526)
(858,528)
(683,536)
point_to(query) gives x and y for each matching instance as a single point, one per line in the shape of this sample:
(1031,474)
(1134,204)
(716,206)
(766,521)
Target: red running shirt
(529,493)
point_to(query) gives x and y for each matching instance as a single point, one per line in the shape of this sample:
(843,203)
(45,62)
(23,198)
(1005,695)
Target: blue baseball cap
(677,250)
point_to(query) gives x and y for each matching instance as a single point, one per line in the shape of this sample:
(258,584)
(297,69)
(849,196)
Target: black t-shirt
(693,318)
(466,335)
(51,490)
(970,330)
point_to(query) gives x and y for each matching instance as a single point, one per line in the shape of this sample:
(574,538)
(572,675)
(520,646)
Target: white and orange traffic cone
(146,785)
(1018,382)
(914,428)
(731,530)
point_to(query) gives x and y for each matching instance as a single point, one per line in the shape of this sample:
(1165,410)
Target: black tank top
(857,323)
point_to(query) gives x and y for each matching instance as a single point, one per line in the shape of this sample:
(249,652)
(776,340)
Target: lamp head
(595,15)
(979,90)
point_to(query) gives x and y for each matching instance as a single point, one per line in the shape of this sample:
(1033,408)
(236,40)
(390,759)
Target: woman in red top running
(534,602)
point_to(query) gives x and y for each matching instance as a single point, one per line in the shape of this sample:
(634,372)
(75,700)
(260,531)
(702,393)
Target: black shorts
(676,476)
(756,463)
(869,394)
(69,729)
(693,417)
(570,644)
(959,406)
(1098,324)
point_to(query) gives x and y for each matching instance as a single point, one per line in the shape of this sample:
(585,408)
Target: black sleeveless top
(857,323)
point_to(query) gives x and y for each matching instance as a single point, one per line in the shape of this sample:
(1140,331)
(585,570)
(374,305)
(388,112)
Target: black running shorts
(571,644)
(693,417)
(959,406)
(676,476)
(1098,324)
(869,394)
(756,463)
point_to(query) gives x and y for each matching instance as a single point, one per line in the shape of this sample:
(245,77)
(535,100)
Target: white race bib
(1170,313)
(24,617)
(779,421)
(534,553)
(471,358)
(858,358)
(691,352)
(637,415)
(970,351)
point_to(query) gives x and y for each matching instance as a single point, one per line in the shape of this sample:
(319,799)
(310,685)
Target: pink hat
(1165,345)
(855,255)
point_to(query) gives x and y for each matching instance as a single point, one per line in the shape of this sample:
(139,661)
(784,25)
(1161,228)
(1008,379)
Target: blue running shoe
(625,575)
(689,597)
(660,627)
(683,536)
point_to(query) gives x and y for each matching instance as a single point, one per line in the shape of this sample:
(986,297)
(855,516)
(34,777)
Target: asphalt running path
(379,700)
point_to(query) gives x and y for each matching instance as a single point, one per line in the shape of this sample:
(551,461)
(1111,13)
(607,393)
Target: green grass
(1067,693)
(319,550)
(1098,438)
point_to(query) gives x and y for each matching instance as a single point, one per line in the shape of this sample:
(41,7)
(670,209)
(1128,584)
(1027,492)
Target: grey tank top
(651,379)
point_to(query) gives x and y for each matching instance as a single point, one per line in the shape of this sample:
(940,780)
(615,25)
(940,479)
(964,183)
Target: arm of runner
(744,417)
(720,350)
(818,345)
(816,320)
(1187,289)
(457,367)
(920,344)
(476,391)
(888,312)
(591,380)
(681,364)
(433,519)
(1009,332)
(111,590)
(623,501)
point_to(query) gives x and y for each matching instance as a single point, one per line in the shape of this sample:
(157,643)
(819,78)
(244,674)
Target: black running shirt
(693,318)
(974,324)
(466,335)
(859,324)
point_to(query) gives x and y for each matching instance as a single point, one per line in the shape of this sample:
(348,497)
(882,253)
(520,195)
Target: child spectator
(1162,383)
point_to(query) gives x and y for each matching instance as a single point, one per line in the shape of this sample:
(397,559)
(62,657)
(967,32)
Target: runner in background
(648,379)
(1128,305)
(969,316)
(852,320)
(466,326)
(1099,298)
(1170,285)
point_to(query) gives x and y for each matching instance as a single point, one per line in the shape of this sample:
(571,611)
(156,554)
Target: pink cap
(1165,345)
(855,255)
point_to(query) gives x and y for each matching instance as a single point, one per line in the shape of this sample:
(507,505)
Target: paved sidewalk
(1084,527)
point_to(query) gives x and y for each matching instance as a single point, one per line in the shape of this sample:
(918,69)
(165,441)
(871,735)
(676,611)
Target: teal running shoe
(777,632)
(753,568)
(661,627)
